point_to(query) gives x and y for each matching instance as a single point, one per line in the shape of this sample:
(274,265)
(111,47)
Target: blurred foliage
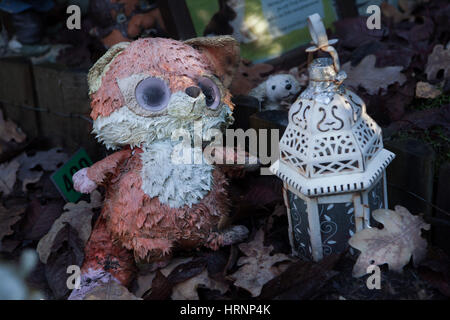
(435,136)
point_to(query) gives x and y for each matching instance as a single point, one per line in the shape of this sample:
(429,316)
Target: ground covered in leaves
(259,268)
(400,71)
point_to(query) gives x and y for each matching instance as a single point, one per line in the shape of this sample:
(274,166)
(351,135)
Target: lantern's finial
(320,39)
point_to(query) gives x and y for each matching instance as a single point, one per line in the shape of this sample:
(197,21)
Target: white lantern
(332,160)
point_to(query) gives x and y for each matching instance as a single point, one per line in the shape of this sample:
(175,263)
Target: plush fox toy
(141,92)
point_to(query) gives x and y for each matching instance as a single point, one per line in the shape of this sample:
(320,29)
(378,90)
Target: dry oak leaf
(110,291)
(390,11)
(394,244)
(438,60)
(370,78)
(426,90)
(78,216)
(187,290)
(8,174)
(47,160)
(9,217)
(257,268)
(144,281)
(407,7)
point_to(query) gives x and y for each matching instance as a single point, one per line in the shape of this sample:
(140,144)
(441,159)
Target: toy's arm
(87,179)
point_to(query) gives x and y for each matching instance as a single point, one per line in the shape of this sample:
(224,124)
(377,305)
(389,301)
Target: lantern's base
(321,226)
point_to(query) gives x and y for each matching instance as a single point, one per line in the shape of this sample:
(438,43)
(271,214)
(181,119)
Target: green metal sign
(63,177)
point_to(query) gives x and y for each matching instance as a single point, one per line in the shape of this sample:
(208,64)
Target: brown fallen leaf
(10,131)
(39,218)
(353,33)
(78,216)
(426,90)
(187,290)
(179,280)
(9,217)
(366,75)
(160,289)
(394,244)
(110,291)
(157,285)
(8,175)
(47,160)
(438,60)
(391,12)
(279,211)
(417,32)
(257,267)
(67,249)
(143,283)
(217,262)
(434,269)
(422,119)
(410,5)
(301,280)
(407,7)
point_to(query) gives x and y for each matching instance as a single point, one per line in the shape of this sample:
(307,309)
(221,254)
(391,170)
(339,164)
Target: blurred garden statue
(28,19)
(12,278)
(125,20)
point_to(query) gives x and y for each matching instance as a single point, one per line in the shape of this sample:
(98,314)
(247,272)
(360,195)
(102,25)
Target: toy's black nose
(288,86)
(193,91)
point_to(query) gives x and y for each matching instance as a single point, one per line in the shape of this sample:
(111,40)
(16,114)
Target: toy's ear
(222,52)
(101,66)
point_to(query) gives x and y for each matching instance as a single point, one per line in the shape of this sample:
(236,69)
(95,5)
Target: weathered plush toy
(276,90)
(141,92)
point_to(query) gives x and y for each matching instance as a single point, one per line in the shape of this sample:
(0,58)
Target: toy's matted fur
(153,205)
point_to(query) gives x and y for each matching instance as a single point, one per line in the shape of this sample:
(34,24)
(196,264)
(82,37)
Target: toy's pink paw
(82,183)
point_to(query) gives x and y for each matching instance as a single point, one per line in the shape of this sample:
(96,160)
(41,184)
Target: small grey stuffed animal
(275,90)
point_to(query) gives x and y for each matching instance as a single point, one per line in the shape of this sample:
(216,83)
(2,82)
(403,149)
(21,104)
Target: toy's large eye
(211,92)
(152,94)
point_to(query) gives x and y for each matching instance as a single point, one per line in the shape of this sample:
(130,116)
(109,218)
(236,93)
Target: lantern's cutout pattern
(332,159)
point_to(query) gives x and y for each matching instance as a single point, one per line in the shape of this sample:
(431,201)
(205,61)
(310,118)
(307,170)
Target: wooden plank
(17,97)
(244,108)
(412,170)
(270,120)
(65,94)
(440,233)
(177,19)
(346,9)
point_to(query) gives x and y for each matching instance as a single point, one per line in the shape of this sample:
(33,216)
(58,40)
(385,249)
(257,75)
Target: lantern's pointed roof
(331,145)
